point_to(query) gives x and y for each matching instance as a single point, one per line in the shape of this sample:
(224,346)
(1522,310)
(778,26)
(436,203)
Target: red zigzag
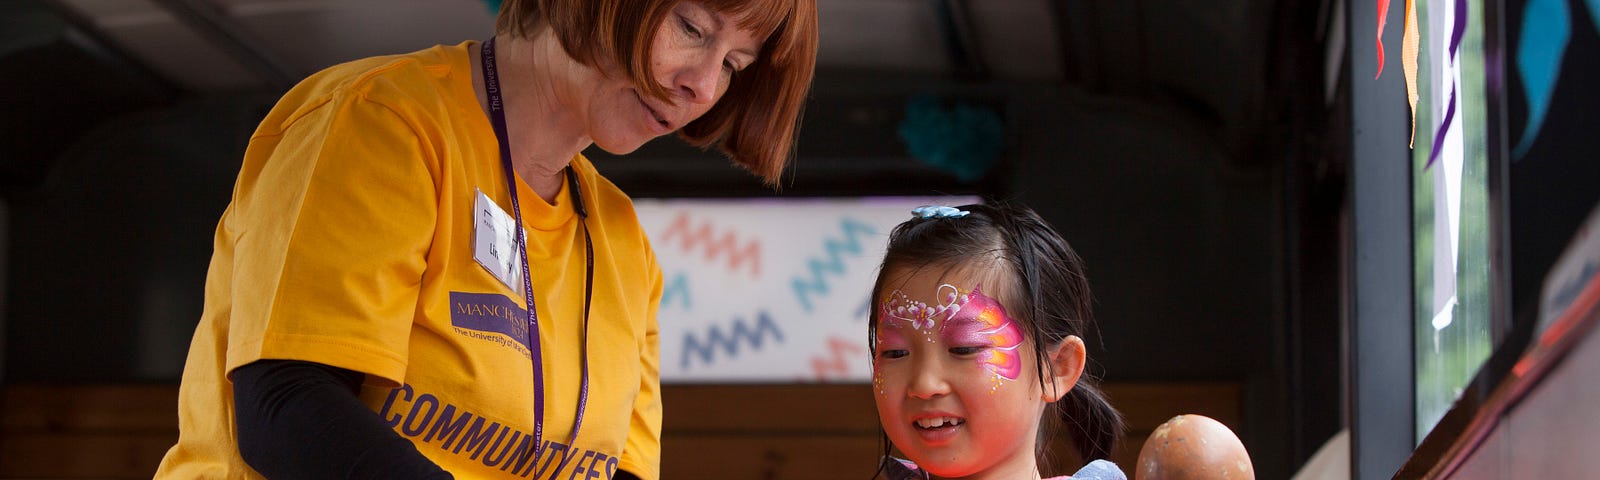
(692,237)
(835,365)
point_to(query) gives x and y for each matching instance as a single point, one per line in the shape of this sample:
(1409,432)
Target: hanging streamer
(1546,28)
(1594,12)
(1457,30)
(1383,16)
(1408,60)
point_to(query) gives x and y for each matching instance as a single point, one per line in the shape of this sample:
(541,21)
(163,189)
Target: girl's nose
(927,381)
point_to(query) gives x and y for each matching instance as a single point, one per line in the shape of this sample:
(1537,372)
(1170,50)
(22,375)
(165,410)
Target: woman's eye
(893,353)
(689,28)
(963,351)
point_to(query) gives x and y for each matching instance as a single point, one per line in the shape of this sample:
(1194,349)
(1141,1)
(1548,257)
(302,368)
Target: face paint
(888,336)
(921,316)
(969,319)
(982,321)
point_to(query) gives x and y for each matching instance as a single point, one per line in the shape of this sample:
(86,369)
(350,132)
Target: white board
(769,290)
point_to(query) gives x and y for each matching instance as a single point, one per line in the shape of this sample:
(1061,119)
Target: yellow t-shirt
(348,242)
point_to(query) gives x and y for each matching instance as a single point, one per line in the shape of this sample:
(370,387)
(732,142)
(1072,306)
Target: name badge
(494,243)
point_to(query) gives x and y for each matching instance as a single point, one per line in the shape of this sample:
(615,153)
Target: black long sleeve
(303,420)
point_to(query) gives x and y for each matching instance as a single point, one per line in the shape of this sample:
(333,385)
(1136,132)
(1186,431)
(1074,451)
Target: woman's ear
(1066,363)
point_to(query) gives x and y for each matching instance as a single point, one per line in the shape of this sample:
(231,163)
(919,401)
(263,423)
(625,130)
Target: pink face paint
(982,321)
(920,315)
(889,335)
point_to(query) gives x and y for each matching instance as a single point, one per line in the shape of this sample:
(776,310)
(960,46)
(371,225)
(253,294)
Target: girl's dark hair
(1042,284)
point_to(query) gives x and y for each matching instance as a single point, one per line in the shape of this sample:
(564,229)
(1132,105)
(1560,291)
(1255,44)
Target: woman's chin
(620,147)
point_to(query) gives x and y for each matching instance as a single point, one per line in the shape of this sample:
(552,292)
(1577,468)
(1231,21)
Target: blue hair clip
(938,211)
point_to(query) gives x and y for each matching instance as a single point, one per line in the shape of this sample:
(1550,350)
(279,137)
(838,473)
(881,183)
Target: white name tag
(494,243)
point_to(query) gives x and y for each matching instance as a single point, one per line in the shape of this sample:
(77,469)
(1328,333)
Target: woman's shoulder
(414,78)
(605,198)
(367,72)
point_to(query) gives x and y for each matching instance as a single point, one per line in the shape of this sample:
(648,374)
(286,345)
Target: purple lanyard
(497,116)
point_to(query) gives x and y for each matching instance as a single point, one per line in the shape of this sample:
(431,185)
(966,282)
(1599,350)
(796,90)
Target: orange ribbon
(1408,60)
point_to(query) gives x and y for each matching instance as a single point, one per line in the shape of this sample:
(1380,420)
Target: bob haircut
(756,121)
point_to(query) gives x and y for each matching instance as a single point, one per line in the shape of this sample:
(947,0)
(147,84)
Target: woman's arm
(303,420)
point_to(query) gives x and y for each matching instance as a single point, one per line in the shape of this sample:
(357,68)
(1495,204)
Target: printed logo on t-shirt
(490,317)
(429,420)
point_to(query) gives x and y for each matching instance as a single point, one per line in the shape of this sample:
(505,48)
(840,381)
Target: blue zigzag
(676,287)
(832,263)
(741,334)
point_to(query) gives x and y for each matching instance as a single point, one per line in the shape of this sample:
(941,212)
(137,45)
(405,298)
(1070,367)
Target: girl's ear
(1066,361)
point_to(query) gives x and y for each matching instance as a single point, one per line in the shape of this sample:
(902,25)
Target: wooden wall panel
(710,431)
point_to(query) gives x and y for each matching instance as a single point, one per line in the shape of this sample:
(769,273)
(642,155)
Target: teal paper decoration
(964,140)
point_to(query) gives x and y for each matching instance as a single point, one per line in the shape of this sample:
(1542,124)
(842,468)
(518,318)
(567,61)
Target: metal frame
(1382,391)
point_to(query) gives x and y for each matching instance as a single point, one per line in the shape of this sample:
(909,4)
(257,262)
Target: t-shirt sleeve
(642,453)
(1099,470)
(333,215)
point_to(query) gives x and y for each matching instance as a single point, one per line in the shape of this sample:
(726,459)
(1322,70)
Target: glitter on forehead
(922,316)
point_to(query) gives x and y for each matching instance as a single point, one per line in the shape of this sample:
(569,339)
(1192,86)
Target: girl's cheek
(889,338)
(878,384)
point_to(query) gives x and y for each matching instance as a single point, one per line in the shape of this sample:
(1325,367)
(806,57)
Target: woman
(366,309)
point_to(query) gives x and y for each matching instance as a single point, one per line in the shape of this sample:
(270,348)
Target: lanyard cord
(491,84)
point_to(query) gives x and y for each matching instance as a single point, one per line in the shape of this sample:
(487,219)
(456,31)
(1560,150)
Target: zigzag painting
(769,290)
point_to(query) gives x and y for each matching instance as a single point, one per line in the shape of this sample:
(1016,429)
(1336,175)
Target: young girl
(977,348)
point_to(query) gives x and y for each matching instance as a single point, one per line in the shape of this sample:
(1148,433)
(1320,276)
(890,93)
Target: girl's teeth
(938,422)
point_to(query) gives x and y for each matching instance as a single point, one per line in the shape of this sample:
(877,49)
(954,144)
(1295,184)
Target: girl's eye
(964,351)
(893,353)
(728,66)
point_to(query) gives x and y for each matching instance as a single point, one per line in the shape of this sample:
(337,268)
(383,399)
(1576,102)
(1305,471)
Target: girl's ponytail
(1094,424)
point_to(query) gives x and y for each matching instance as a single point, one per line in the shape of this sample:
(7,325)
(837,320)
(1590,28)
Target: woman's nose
(701,81)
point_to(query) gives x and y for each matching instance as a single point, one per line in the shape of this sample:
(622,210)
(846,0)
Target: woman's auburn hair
(756,121)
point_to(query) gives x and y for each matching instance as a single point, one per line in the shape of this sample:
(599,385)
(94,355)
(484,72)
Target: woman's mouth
(654,115)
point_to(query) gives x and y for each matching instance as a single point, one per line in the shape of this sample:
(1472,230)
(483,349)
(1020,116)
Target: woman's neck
(543,119)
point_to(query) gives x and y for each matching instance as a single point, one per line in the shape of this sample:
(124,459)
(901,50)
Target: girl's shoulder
(901,469)
(1096,470)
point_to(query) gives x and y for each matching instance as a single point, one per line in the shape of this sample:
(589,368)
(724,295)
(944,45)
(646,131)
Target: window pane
(1450,210)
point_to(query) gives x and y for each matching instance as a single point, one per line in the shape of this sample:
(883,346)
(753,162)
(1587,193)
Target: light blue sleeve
(1100,470)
